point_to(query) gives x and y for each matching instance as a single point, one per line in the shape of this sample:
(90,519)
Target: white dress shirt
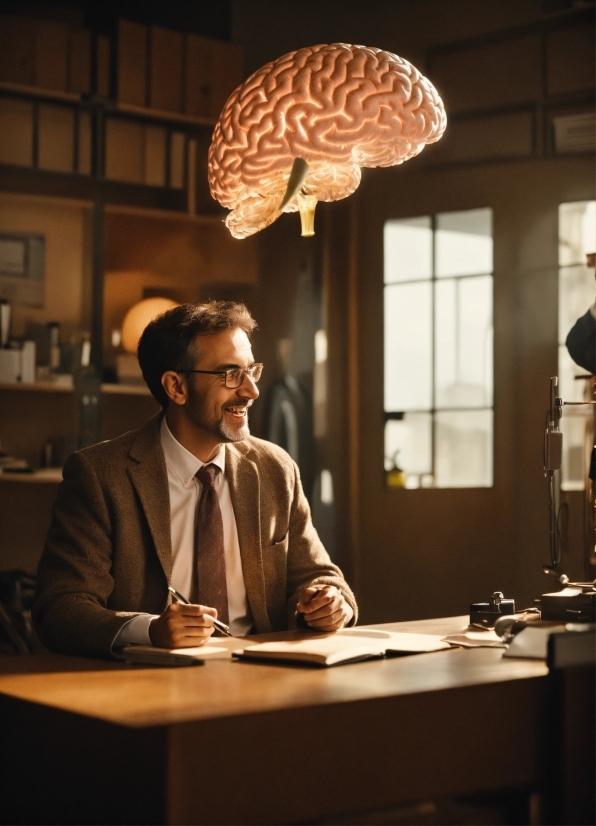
(185,493)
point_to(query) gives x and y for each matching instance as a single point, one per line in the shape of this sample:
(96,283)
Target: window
(438,302)
(577,222)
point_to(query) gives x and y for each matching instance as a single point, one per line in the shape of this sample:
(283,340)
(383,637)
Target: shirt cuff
(135,631)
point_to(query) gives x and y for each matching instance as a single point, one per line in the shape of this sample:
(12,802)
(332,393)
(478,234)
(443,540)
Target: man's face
(212,407)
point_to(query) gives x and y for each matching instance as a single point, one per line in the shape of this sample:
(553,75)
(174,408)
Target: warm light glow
(139,316)
(338,108)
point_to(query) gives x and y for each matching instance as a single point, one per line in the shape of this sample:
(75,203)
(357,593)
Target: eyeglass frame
(243,370)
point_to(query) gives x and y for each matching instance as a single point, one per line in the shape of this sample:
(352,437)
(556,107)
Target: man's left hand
(324,609)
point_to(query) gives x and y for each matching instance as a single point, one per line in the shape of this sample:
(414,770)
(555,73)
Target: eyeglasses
(233,377)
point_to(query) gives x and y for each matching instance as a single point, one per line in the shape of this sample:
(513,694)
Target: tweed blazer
(108,554)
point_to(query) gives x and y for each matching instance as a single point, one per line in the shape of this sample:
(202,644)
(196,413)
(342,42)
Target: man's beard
(234,435)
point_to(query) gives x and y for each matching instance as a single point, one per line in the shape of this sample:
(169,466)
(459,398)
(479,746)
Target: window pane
(464,243)
(408,445)
(570,389)
(576,296)
(577,232)
(575,426)
(464,342)
(408,249)
(464,449)
(408,337)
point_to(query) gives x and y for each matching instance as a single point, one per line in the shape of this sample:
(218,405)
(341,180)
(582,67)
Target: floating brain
(338,108)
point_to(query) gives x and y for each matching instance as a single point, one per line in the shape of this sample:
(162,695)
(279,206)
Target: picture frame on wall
(22,268)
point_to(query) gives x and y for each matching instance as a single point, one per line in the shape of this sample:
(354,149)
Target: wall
(182,257)
(413,554)
(67,289)
(269,28)
(430,552)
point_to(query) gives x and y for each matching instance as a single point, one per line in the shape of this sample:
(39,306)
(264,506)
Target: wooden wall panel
(103,56)
(177,160)
(84,148)
(499,74)
(56,138)
(51,55)
(197,85)
(155,156)
(23,537)
(165,90)
(16,134)
(125,149)
(132,63)
(226,74)
(17,50)
(570,60)
(213,70)
(497,136)
(79,61)
(67,230)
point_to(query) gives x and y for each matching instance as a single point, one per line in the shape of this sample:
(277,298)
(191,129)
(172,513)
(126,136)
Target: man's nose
(248,389)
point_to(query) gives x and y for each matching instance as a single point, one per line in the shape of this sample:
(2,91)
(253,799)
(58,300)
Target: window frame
(433,410)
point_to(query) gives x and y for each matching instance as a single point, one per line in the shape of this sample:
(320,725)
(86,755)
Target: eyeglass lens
(234,378)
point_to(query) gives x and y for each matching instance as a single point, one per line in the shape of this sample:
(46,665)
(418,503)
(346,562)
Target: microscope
(576,602)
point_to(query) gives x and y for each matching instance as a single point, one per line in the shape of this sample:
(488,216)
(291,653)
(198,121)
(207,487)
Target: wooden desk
(229,742)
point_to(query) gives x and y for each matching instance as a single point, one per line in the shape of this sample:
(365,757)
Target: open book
(346,646)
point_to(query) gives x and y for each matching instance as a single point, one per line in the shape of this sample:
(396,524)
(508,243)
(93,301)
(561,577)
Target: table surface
(139,696)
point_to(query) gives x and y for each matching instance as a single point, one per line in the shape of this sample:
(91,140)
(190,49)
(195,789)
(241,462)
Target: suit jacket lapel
(243,478)
(150,478)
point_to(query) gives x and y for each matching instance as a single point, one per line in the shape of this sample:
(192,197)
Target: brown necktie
(209,575)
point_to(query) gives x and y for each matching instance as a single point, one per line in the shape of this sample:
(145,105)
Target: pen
(221,626)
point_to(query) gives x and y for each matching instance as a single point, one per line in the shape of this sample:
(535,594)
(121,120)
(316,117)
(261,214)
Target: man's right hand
(182,626)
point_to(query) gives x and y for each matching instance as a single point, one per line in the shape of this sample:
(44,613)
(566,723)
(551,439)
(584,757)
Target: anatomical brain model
(300,128)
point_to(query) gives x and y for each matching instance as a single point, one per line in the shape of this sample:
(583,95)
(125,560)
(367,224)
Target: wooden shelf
(51,387)
(126,389)
(216,218)
(37,387)
(111,106)
(161,114)
(39,92)
(46,475)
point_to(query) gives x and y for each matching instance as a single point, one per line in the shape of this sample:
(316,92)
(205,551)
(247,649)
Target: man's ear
(175,386)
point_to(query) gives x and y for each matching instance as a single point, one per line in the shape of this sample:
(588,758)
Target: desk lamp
(299,129)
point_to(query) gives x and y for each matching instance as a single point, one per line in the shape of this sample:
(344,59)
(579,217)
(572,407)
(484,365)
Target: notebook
(150,655)
(346,646)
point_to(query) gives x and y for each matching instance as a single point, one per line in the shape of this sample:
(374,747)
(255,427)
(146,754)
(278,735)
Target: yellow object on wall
(139,316)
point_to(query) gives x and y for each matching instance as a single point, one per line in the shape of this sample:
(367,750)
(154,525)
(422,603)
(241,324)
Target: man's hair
(168,342)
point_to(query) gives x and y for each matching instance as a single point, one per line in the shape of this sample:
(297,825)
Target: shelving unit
(124,131)
(85,125)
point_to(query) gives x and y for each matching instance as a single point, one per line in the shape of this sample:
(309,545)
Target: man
(190,500)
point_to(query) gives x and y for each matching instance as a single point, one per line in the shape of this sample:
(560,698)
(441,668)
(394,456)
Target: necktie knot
(207,475)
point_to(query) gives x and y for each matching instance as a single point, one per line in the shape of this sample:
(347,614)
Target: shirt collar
(181,461)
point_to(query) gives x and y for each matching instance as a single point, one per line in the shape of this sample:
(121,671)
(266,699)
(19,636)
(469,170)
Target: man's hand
(324,609)
(182,626)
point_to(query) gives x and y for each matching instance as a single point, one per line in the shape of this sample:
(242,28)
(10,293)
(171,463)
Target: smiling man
(191,502)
